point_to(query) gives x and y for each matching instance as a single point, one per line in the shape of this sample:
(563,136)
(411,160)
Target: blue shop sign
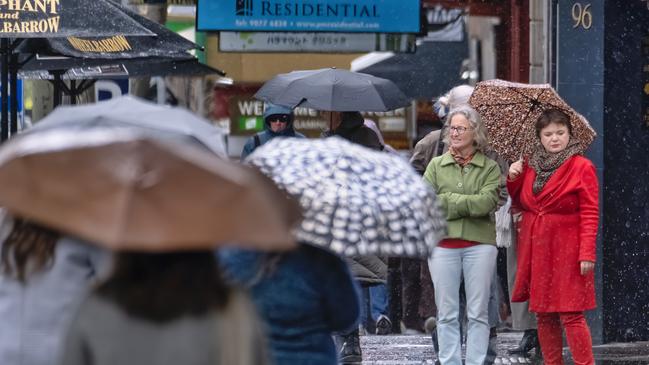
(362,16)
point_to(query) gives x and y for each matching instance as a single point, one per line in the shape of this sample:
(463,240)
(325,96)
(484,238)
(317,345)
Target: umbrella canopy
(40,67)
(333,90)
(84,29)
(128,111)
(132,192)
(165,43)
(67,18)
(356,201)
(509,111)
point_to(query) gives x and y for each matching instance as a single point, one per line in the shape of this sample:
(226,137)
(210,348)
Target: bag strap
(257,140)
(440,144)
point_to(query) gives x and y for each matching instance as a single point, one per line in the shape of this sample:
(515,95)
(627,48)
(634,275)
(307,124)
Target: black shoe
(492,353)
(529,341)
(350,351)
(383,325)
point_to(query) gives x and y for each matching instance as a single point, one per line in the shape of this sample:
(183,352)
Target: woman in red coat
(557,192)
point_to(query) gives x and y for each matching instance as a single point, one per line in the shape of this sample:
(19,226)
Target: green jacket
(468,195)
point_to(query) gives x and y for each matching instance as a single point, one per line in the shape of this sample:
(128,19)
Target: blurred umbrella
(128,192)
(333,90)
(356,201)
(128,111)
(509,110)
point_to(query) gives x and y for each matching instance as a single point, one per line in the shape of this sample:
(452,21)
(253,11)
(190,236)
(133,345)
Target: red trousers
(577,334)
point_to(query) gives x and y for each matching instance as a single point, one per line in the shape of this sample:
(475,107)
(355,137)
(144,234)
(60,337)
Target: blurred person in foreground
(278,122)
(43,278)
(467,184)
(371,271)
(165,309)
(556,190)
(304,296)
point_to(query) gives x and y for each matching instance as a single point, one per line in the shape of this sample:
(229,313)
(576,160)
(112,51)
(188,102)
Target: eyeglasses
(459,130)
(278,118)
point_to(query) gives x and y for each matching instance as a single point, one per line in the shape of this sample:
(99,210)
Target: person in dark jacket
(370,270)
(304,296)
(278,122)
(351,126)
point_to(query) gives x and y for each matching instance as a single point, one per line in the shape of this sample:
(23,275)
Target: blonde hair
(480,135)
(240,333)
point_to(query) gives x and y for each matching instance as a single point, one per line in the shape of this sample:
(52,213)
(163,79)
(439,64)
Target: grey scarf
(546,163)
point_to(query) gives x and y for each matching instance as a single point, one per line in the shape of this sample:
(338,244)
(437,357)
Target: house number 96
(582,16)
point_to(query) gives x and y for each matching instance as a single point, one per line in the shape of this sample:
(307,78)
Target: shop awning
(431,71)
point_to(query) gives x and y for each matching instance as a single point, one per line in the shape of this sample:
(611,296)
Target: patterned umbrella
(510,110)
(356,201)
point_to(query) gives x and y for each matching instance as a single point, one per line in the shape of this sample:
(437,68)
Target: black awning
(429,72)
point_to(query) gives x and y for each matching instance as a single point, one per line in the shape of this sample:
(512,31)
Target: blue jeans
(376,298)
(448,266)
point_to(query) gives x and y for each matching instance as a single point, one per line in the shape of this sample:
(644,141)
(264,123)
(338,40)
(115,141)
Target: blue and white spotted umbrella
(356,201)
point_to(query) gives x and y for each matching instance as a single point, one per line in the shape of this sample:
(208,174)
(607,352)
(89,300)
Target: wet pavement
(418,349)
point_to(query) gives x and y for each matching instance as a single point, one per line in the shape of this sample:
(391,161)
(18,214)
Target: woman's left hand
(586,267)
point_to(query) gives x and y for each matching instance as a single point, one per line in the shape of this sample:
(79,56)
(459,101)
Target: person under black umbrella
(278,122)
(369,270)
(351,126)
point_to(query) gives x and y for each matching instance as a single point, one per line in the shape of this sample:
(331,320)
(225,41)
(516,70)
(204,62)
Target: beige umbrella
(127,191)
(509,110)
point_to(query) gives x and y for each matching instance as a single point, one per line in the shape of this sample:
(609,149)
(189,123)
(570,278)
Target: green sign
(251,123)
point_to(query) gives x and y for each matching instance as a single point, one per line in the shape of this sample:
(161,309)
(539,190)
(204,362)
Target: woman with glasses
(467,185)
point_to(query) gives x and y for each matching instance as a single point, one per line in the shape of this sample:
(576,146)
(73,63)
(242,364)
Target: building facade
(596,54)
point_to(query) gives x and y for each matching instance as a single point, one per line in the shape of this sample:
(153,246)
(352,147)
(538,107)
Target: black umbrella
(54,19)
(67,18)
(86,58)
(165,43)
(334,90)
